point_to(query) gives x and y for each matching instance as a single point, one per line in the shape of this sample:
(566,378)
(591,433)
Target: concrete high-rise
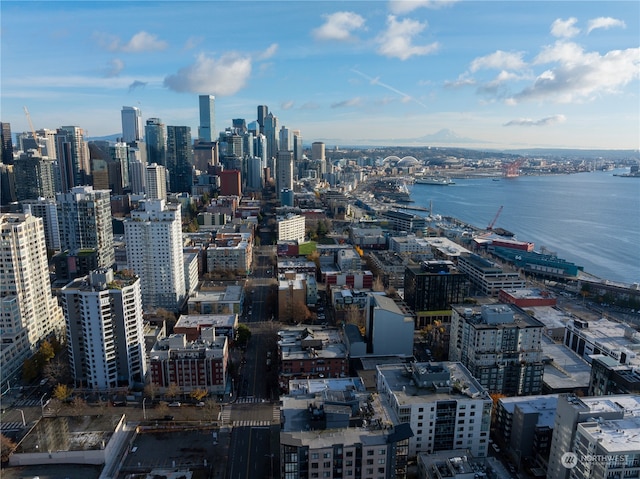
(47,209)
(500,345)
(156,141)
(73,157)
(271,134)
(85,224)
(207,128)
(284,172)
(180,159)
(131,124)
(285,137)
(105,335)
(156,182)
(34,176)
(153,236)
(28,311)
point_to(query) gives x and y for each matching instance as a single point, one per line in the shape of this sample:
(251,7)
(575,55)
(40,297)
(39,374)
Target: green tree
(62,392)
(7,446)
(243,334)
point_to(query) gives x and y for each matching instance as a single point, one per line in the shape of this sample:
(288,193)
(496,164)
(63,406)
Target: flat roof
(544,406)
(563,368)
(615,436)
(217,320)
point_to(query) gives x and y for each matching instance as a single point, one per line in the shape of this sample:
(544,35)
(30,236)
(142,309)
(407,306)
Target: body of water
(590,219)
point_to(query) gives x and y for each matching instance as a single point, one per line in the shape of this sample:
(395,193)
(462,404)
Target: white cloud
(401,7)
(550,120)
(193,42)
(223,76)
(268,52)
(462,81)
(144,42)
(499,60)
(287,105)
(578,75)
(339,26)
(139,43)
(352,102)
(114,68)
(564,28)
(605,22)
(137,84)
(396,41)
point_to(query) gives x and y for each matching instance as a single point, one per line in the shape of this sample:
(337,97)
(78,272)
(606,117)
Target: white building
(105,334)
(230,252)
(388,328)
(488,277)
(154,252)
(132,127)
(28,311)
(156,182)
(291,228)
(47,209)
(444,404)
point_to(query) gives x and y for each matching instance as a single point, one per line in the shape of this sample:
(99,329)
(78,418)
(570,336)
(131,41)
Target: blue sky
(492,74)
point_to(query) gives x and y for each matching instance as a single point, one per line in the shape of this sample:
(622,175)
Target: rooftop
(615,436)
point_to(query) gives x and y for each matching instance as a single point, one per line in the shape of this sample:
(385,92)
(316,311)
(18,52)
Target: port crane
(495,218)
(33,130)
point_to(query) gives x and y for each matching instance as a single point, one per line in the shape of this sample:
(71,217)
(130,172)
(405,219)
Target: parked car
(175,404)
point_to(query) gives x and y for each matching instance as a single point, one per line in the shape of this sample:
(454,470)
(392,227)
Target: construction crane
(33,130)
(495,218)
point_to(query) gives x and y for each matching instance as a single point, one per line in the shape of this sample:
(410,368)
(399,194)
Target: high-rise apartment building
(105,336)
(153,236)
(85,224)
(34,176)
(156,182)
(132,129)
(28,311)
(47,209)
(431,288)
(156,141)
(180,159)
(284,171)
(500,345)
(6,143)
(73,157)
(207,128)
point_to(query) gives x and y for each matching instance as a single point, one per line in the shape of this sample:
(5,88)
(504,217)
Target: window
(370,452)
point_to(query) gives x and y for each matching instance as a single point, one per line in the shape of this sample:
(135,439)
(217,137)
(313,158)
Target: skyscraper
(263,111)
(47,209)
(28,311)
(34,176)
(85,224)
(284,173)
(180,159)
(7,143)
(156,182)
(285,137)
(156,141)
(161,268)
(131,124)
(271,134)
(105,335)
(73,157)
(207,128)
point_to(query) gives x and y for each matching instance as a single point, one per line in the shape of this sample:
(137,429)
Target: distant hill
(113,137)
(576,153)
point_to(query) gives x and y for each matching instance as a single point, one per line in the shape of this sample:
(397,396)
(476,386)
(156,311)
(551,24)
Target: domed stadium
(407,162)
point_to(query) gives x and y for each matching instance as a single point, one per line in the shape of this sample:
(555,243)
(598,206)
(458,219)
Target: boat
(434,180)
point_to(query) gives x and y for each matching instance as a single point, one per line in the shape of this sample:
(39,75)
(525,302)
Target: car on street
(175,404)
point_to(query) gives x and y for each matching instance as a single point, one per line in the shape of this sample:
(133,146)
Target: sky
(477,74)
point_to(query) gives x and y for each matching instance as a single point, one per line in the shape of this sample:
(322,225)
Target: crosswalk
(251,423)
(27,403)
(11,426)
(249,399)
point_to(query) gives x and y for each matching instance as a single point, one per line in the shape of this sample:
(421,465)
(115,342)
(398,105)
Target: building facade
(156,182)
(153,236)
(501,346)
(105,336)
(132,129)
(179,159)
(28,311)
(207,128)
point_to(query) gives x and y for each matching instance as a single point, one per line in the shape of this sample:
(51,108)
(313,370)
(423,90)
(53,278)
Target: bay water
(591,219)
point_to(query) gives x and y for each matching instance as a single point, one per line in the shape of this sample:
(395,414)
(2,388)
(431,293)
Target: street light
(24,423)
(42,403)
(144,410)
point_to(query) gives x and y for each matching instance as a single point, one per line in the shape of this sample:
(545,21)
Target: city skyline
(408,73)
